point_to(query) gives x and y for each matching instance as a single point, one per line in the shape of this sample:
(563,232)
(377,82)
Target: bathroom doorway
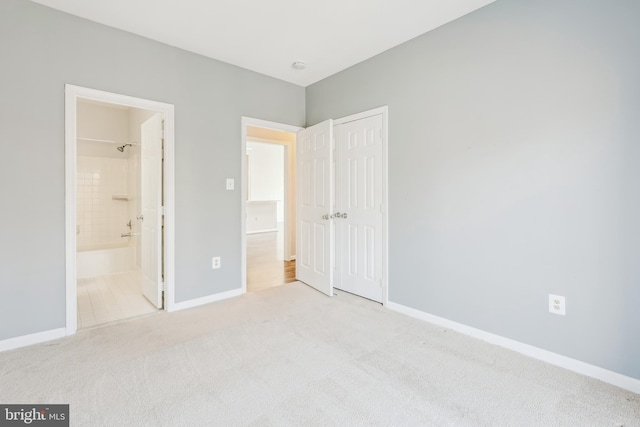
(119,258)
(109,219)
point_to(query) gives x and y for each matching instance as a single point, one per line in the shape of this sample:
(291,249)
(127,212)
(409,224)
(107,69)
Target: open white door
(151,201)
(314,207)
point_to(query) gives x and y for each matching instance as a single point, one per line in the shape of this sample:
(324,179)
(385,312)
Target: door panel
(359,195)
(151,200)
(314,241)
(320,252)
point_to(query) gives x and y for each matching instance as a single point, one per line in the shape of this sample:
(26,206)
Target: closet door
(359,207)
(314,206)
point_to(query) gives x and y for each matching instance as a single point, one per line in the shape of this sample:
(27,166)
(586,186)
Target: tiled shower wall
(103,214)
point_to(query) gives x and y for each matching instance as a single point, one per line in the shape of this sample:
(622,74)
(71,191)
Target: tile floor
(104,299)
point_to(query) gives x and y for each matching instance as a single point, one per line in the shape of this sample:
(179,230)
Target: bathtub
(98,262)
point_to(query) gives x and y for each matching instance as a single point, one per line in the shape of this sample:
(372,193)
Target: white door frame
(385,199)
(249,121)
(72,95)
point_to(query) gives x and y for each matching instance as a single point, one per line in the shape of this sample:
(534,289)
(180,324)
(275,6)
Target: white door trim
(72,94)
(249,121)
(385,186)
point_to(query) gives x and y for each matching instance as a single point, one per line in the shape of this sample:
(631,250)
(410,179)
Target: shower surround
(108,188)
(107,197)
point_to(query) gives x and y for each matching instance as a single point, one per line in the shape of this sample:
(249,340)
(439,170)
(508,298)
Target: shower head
(121,148)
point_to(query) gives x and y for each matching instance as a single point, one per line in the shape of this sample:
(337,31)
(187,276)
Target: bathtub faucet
(129,234)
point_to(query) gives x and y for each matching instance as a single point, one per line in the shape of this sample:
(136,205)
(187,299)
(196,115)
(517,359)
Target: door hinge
(164,286)
(161,210)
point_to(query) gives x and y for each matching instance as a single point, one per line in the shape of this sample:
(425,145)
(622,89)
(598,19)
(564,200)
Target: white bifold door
(340,207)
(151,201)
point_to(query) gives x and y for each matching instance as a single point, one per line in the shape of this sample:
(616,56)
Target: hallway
(265,269)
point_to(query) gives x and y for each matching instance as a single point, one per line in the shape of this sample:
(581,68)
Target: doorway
(119,207)
(268,204)
(109,250)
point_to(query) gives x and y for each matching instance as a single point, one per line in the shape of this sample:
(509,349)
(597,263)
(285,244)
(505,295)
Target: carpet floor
(289,356)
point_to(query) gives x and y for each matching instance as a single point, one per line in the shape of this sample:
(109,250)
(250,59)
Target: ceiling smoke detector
(299,65)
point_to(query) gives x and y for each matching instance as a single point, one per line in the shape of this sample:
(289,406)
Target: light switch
(230,184)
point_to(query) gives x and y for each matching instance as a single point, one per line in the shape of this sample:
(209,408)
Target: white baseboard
(25,340)
(265,230)
(206,300)
(614,378)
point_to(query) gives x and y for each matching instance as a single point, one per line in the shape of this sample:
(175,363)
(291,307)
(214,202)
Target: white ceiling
(267,36)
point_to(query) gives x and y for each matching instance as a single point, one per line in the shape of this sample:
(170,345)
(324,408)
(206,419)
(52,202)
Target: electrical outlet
(230,184)
(215,262)
(557,305)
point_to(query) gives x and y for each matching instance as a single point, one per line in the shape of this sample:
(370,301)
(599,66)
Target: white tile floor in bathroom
(104,299)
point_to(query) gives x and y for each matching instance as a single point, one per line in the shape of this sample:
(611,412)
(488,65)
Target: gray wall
(513,171)
(41,50)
